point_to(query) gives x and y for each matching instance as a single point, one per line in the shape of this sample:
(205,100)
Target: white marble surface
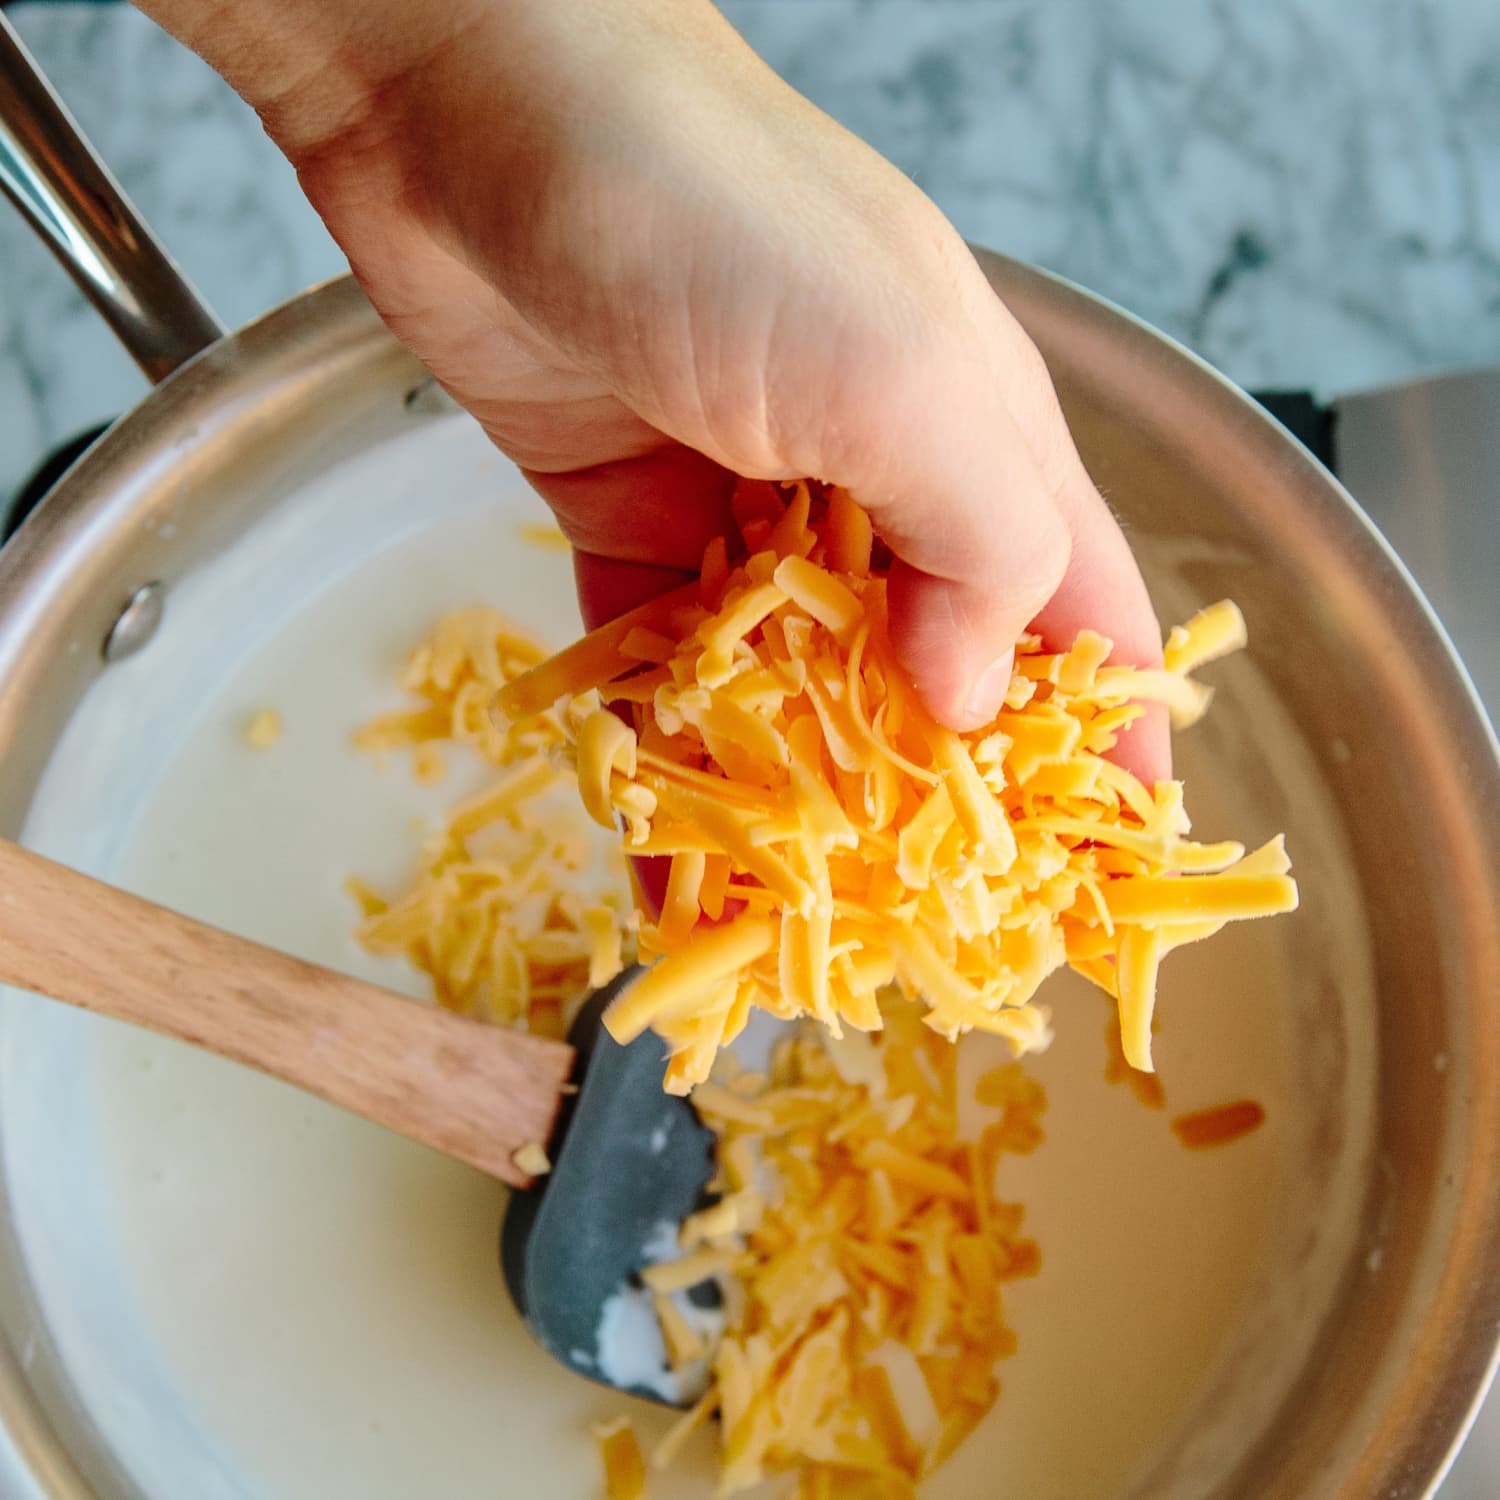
(1306,191)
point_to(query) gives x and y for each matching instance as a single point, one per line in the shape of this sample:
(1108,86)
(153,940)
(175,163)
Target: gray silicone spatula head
(629,1162)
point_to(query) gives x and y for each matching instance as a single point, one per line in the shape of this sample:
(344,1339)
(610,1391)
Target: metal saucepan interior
(1219,503)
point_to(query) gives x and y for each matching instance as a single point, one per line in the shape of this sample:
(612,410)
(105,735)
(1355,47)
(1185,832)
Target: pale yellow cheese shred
(263,729)
(532,1159)
(867,1319)
(540,534)
(621,1459)
(499,915)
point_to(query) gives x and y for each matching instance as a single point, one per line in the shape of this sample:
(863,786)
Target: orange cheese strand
(621,1459)
(1220,1125)
(598,657)
(773,738)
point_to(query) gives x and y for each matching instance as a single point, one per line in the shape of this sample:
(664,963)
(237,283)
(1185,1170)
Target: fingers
(962,455)
(953,488)
(955,634)
(1103,590)
(608,587)
(949,635)
(660,508)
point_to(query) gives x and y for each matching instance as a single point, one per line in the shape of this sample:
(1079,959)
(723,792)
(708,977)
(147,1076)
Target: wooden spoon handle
(472,1091)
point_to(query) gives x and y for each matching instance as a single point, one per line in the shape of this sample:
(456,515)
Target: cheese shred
(756,723)
(263,729)
(1220,1125)
(621,1459)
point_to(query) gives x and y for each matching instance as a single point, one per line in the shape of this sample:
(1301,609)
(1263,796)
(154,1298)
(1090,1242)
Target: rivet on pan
(136,623)
(429,399)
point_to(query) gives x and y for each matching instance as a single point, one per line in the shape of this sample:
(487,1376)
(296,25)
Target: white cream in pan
(258,1297)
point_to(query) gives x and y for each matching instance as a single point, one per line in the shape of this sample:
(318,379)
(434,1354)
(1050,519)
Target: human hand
(645,264)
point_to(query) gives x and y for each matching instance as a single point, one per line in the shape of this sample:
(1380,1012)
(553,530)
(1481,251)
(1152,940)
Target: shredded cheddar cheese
(532,1159)
(540,534)
(825,840)
(864,1289)
(1220,1125)
(623,1463)
(497,916)
(857,1236)
(428,765)
(1146,1087)
(826,836)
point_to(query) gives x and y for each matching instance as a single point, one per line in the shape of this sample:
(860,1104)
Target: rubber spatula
(630,1163)
(627,1155)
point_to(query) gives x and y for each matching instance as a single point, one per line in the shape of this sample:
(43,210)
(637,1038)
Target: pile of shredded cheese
(864,1294)
(496,916)
(818,824)
(827,836)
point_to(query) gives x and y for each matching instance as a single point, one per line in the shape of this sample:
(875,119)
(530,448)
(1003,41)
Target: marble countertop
(1307,192)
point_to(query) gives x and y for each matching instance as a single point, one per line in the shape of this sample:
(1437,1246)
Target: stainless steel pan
(1219,501)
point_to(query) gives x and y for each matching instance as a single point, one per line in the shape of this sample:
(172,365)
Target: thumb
(958,602)
(979,540)
(951,436)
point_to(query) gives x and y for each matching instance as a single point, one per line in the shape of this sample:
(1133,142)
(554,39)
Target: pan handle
(68,196)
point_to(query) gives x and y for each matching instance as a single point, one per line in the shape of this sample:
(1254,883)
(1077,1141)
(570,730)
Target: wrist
(313,69)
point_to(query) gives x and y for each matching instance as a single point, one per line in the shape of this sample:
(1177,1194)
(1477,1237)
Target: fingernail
(988,690)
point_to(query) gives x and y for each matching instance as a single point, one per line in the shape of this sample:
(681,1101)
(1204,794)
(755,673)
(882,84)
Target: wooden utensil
(470,1090)
(627,1156)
